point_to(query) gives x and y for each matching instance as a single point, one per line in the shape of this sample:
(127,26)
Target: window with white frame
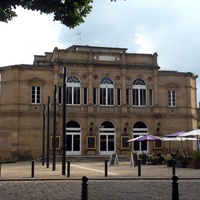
(127,97)
(118,97)
(150,97)
(139,92)
(35,95)
(171,98)
(60,94)
(85,93)
(106,91)
(94,96)
(73,90)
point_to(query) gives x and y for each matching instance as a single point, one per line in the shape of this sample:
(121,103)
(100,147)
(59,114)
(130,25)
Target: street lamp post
(64,125)
(54,130)
(43,136)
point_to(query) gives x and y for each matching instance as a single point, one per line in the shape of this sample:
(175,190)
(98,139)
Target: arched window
(73,90)
(107,138)
(106,91)
(73,138)
(139,92)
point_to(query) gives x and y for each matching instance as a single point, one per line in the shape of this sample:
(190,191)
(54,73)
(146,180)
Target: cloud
(28,34)
(170,28)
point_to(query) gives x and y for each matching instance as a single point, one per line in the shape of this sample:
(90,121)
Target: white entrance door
(107,139)
(73,139)
(73,146)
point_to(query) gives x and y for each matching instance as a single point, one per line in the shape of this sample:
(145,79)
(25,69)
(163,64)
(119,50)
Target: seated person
(185,153)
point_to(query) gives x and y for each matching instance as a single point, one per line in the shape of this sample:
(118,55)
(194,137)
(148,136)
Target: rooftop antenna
(79,36)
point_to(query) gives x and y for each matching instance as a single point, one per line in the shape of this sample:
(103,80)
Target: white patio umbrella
(133,139)
(173,135)
(195,132)
(181,139)
(178,139)
(145,138)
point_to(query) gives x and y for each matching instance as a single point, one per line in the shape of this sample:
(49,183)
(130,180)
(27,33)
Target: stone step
(87,158)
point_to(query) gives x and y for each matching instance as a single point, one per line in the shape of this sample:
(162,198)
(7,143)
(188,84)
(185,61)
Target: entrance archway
(73,138)
(107,138)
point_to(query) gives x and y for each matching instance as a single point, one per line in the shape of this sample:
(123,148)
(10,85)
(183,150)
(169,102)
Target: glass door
(73,138)
(73,145)
(107,144)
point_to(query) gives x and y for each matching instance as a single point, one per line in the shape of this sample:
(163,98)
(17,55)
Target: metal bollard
(175,193)
(139,167)
(68,168)
(84,195)
(0,169)
(173,166)
(106,168)
(32,168)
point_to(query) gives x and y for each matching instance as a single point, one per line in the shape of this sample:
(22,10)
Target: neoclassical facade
(111,96)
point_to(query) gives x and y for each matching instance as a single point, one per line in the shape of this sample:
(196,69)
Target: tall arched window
(107,138)
(73,138)
(73,90)
(140,129)
(106,91)
(139,92)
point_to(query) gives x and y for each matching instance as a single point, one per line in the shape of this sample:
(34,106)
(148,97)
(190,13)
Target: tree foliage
(69,12)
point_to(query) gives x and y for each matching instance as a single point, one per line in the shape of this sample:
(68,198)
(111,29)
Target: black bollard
(32,168)
(139,167)
(175,193)
(0,169)
(106,168)
(84,195)
(68,168)
(173,166)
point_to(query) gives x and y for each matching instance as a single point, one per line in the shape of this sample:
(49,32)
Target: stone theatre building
(111,96)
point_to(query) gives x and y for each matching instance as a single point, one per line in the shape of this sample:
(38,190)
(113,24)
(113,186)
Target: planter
(181,164)
(143,162)
(154,161)
(169,163)
(197,165)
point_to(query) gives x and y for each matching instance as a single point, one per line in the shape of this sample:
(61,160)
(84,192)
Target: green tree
(69,12)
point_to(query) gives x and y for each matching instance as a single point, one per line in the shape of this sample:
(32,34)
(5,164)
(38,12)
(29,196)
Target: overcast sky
(171,28)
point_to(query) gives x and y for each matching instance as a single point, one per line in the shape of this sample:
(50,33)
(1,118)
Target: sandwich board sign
(114,159)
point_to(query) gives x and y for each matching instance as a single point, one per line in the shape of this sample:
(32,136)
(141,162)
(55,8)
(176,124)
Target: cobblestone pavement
(98,190)
(122,182)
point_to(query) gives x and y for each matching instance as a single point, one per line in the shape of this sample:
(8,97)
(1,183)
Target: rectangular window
(102,96)
(150,97)
(139,97)
(73,95)
(135,97)
(106,96)
(142,97)
(76,95)
(127,97)
(118,97)
(59,95)
(110,96)
(94,96)
(35,98)
(69,95)
(85,96)
(171,98)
